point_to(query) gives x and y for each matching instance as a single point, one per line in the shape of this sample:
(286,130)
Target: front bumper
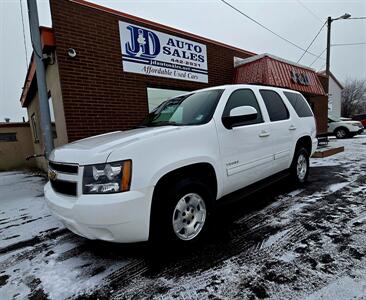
(356,130)
(121,217)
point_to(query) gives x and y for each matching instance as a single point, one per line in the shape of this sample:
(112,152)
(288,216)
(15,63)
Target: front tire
(180,212)
(341,133)
(300,166)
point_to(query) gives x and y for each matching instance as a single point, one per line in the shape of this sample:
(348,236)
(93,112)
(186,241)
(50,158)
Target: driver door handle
(292,127)
(264,133)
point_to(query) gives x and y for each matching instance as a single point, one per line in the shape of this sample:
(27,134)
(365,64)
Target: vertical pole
(44,108)
(327,69)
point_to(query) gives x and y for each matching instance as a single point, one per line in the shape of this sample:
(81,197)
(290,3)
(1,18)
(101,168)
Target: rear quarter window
(299,104)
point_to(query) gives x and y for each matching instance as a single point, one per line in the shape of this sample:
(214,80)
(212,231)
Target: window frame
(243,123)
(34,128)
(283,102)
(12,137)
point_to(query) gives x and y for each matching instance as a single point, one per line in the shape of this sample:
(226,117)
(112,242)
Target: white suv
(163,179)
(343,128)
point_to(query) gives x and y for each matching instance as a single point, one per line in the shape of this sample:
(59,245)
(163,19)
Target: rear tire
(180,212)
(300,166)
(341,133)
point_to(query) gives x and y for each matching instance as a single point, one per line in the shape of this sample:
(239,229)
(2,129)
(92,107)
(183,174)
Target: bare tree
(354,97)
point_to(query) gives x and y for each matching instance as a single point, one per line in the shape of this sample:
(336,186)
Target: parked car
(361,118)
(162,180)
(343,129)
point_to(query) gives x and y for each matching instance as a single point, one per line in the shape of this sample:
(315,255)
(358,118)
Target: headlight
(107,178)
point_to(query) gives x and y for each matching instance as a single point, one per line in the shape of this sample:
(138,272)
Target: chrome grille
(64,178)
(64,168)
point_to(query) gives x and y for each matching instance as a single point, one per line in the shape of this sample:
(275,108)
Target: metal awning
(270,70)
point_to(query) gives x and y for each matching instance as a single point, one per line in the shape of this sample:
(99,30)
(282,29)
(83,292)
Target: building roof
(323,73)
(48,42)
(13,124)
(244,61)
(271,70)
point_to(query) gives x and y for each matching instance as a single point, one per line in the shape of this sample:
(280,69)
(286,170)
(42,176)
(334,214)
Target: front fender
(184,163)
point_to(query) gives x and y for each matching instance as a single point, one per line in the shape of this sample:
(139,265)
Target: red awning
(270,70)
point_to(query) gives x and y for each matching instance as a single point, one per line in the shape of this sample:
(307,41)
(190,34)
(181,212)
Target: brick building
(106,69)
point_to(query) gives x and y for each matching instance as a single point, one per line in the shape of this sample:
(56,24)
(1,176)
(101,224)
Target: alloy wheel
(189,216)
(301,167)
(341,133)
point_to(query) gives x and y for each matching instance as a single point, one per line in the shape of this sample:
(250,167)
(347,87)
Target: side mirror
(239,115)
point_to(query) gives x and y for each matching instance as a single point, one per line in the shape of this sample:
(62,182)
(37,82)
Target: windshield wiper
(163,123)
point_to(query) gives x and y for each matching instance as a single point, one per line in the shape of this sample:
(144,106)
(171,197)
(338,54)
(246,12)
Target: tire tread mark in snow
(33,241)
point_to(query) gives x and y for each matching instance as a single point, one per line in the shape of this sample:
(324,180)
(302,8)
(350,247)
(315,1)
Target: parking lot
(280,243)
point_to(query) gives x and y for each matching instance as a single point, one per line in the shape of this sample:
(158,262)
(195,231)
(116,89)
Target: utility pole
(44,108)
(327,68)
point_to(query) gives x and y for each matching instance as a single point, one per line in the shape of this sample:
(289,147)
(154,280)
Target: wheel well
(305,142)
(201,170)
(341,127)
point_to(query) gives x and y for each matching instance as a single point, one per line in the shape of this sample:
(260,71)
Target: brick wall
(98,96)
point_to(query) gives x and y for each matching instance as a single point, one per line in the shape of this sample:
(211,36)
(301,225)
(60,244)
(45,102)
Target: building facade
(15,146)
(334,95)
(107,69)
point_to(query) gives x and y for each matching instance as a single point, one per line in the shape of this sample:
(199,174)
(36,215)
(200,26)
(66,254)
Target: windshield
(191,109)
(333,119)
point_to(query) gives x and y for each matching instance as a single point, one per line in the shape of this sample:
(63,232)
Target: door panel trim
(249,165)
(282,154)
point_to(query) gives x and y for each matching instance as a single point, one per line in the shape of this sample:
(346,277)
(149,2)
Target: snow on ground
(22,206)
(35,248)
(280,243)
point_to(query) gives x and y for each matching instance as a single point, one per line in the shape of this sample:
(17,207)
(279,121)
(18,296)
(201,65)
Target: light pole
(44,108)
(329,23)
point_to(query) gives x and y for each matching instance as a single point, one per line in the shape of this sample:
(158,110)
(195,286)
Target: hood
(351,122)
(96,149)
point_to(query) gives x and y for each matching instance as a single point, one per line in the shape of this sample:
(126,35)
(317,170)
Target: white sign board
(150,52)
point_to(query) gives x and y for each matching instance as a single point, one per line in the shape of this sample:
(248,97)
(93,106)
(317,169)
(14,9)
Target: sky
(297,20)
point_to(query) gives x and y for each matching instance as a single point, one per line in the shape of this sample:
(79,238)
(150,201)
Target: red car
(361,118)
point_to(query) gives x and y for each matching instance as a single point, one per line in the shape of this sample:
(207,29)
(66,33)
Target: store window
(157,96)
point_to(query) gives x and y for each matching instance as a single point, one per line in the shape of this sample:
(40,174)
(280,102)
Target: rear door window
(277,110)
(299,104)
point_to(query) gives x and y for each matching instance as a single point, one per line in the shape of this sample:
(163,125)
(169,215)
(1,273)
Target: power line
(318,57)
(266,28)
(309,11)
(320,30)
(24,39)
(349,44)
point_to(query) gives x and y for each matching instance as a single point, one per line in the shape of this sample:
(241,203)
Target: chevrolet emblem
(52,175)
